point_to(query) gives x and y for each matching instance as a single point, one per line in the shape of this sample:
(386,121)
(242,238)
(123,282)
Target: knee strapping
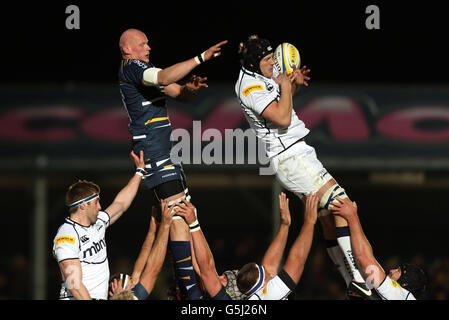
(333,192)
(186,196)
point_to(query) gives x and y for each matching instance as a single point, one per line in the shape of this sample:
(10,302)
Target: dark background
(411,48)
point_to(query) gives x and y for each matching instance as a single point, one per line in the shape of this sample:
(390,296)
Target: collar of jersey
(253,74)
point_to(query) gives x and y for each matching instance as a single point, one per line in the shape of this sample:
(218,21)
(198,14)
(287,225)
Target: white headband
(259,282)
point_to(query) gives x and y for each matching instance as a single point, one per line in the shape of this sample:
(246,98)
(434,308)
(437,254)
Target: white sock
(344,241)
(338,259)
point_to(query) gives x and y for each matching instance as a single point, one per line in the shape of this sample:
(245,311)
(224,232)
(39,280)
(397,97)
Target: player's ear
(126,50)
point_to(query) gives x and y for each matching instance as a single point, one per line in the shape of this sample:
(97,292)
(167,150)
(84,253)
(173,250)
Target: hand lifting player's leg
(343,258)
(180,245)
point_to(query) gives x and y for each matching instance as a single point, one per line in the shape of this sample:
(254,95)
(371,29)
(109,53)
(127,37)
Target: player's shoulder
(103,217)
(66,233)
(135,64)
(67,227)
(252,83)
(389,289)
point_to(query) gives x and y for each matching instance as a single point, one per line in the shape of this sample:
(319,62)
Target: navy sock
(185,274)
(342,232)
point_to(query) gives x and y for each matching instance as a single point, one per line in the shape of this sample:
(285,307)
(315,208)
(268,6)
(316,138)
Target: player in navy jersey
(144,88)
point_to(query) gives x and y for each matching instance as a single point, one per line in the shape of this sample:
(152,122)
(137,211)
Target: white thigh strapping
(299,170)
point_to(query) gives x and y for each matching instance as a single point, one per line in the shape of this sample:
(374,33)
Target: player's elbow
(163,78)
(286,122)
(283,122)
(155,77)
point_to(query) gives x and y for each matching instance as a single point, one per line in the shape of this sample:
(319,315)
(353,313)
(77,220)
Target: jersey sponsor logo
(140,63)
(84,239)
(63,239)
(168,175)
(248,90)
(95,248)
(264,292)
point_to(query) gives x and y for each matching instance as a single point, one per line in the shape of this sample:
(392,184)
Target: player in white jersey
(80,246)
(263,282)
(255,281)
(406,282)
(266,101)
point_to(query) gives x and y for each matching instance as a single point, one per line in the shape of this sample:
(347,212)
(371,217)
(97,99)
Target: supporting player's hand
(344,207)
(139,161)
(117,286)
(153,221)
(214,51)
(195,83)
(284,209)
(187,211)
(311,210)
(167,213)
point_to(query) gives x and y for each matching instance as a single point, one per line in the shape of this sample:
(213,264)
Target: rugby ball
(285,57)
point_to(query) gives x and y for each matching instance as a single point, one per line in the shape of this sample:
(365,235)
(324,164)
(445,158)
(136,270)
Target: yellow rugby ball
(285,57)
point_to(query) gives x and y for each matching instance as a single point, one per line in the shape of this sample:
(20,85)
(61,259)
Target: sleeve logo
(395,284)
(67,239)
(250,89)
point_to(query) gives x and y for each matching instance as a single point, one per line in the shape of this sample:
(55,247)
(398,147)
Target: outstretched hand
(195,83)
(311,210)
(214,51)
(284,209)
(153,221)
(300,76)
(139,161)
(117,286)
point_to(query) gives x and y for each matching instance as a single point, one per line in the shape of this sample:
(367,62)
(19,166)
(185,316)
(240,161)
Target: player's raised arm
(125,197)
(299,252)
(146,247)
(275,251)
(157,255)
(174,73)
(202,251)
(360,244)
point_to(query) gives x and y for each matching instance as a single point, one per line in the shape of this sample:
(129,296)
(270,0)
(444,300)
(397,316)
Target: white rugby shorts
(299,170)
